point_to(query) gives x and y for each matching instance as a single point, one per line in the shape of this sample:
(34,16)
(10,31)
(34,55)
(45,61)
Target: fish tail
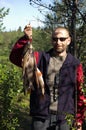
(40,80)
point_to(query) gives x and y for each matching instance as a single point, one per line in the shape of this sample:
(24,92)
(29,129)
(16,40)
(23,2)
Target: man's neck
(62,54)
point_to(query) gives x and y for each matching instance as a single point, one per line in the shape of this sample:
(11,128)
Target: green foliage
(61,12)
(70,118)
(9,88)
(41,40)
(7,39)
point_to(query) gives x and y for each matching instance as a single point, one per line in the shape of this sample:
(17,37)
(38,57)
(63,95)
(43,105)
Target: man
(63,78)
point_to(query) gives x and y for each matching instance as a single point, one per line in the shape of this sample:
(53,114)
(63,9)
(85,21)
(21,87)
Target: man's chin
(59,51)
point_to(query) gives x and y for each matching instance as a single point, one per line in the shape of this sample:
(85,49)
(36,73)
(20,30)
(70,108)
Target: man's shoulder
(72,59)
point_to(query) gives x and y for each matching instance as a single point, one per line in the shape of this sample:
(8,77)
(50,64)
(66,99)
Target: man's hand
(79,126)
(28,31)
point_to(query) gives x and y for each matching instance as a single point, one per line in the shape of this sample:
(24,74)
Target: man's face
(60,40)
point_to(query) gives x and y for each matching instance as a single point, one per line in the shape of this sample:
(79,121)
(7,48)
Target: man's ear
(69,40)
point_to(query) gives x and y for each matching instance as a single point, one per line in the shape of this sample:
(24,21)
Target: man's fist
(28,31)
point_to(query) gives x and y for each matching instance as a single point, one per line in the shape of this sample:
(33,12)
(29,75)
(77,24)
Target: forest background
(14,105)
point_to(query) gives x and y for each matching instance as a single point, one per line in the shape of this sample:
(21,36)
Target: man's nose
(58,41)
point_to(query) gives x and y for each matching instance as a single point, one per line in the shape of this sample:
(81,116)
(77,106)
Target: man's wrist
(28,37)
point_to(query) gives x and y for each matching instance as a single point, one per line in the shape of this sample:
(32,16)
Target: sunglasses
(60,38)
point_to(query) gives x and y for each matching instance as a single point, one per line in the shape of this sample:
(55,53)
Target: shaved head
(60,30)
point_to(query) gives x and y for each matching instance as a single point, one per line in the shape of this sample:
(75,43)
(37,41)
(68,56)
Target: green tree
(3,13)
(41,39)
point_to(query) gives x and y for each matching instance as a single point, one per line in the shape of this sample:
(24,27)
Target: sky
(20,14)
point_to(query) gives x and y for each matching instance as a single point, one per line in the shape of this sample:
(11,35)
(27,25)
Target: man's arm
(17,50)
(81,99)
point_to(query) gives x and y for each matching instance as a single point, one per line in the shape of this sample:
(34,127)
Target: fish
(31,74)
